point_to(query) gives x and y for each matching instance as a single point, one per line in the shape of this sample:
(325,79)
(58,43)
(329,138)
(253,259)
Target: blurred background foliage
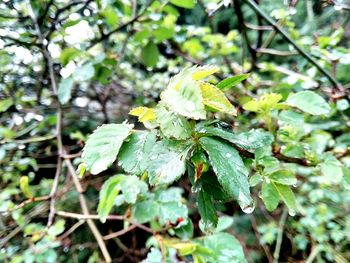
(108,56)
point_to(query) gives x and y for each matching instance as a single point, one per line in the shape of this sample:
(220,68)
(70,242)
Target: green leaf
(132,187)
(202,72)
(25,188)
(214,98)
(224,223)
(150,55)
(154,256)
(183,96)
(110,190)
(163,33)
(84,72)
(250,141)
(264,104)
(145,211)
(230,170)
(171,212)
(207,210)
(173,125)
(166,164)
(103,145)
(211,186)
(5,104)
(69,54)
(185,232)
(65,90)
(232,81)
(225,248)
(110,16)
(134,154)
(183,3)
(270,196)
(331,170)
(273,192)
(309,102)
(283,177)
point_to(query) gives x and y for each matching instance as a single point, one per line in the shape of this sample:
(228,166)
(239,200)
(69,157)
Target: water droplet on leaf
(249,209)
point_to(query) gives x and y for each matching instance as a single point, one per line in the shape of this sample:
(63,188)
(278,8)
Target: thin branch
(85,210)
(276,52)
(283,219)
(285,35)
(26,202)
(71,230)
(119,233)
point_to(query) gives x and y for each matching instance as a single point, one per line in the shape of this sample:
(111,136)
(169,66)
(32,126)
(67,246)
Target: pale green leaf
(131,187)
(103,145)
(283,177)
(172,125)
(5,104)
(134,154)
(183,96)
(309,102)
(270,196)
(166,164)
(65,90)
(203,71)
(214,98)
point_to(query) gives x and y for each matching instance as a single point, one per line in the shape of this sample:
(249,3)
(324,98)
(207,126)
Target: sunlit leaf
(309,102)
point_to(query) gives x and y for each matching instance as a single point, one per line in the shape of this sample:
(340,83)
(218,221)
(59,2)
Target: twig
(276,52)
(119,233)
(85,210)
(71,230)
(44,43)
(285,35)
(283,219)
(26,202)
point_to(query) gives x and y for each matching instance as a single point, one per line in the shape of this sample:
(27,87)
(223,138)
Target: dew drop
(292,212)
(228,155)
(249,208)
(294,185)
(195,188)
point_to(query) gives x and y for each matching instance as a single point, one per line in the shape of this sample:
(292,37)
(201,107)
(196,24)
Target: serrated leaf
(150,55)
(171,212)
(230,170)
(309,102)
(166,165)
(250,141)
(145,211)
(144,113)
(203,71)
(270,196)
(215,99)
(183,96)
(183,3)
(207,210)
(173,125)
(103,145)
(232,81)
(132,187)
(283,177)
(65,90)
(134,154)
(224,248)
(110,190)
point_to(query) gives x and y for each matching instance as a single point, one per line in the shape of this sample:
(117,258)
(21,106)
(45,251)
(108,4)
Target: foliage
(168,131)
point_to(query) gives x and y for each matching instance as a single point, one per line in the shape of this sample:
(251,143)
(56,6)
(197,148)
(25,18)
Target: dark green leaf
(150,55)
(207,210)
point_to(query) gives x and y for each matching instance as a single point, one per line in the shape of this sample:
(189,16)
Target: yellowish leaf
(144,113)
(24,185)
(203,71)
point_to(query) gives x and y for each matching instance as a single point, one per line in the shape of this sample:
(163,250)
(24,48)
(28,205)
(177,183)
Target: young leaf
(270,196)
(110,190)
(172,125)
(232,81)
(283,177)
(103,145)
(145,211)
(183,96)
(309,102)
(143,114)
(206,210)
(265,103)
(287,196)
(166,165)
(215,99)
(5,104)
(131,187)
(183,3)
(134,154)
(230,170)
(24,185)
(203,71)
(150,55)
